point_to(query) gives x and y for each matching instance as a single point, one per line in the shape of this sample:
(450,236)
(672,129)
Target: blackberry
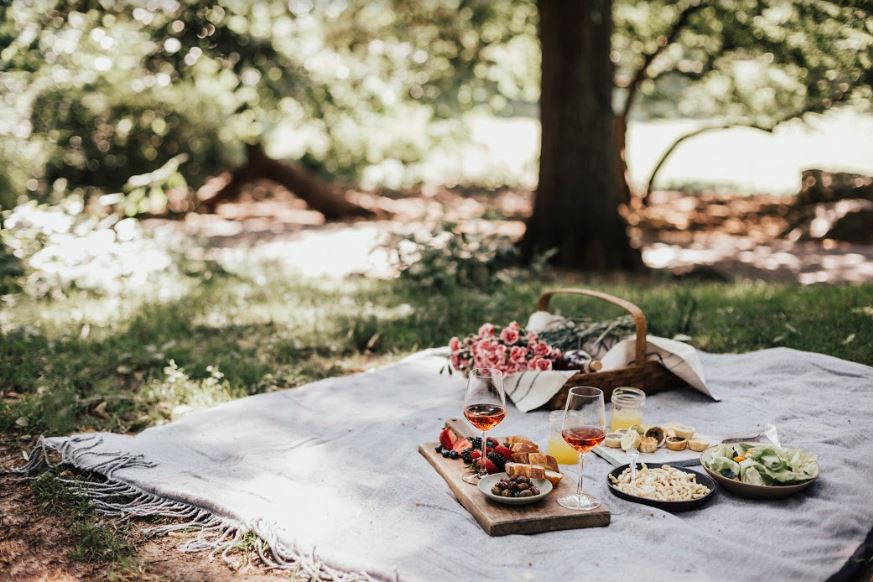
(467,456)
(498,461)
(476,443)
(492,442)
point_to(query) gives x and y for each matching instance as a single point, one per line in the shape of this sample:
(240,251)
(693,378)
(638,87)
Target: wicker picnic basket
(648,375)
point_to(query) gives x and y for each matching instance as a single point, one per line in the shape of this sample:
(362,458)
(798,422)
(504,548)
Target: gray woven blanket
(329,479)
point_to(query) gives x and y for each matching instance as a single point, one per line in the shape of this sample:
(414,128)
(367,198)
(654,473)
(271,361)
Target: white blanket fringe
(216,534)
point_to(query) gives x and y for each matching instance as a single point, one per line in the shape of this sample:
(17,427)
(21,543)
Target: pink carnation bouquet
(510,350)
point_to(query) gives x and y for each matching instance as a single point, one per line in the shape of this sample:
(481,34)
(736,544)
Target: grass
(95,540)
(82,363)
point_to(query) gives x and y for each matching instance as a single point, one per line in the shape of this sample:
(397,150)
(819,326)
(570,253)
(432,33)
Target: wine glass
(484,408)
(584,428)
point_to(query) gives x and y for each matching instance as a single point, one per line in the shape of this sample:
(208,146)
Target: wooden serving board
(498,519)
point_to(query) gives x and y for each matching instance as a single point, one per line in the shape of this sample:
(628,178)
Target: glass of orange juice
(627,407)
(558,447)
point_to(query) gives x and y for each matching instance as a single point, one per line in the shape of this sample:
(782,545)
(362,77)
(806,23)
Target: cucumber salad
(762,464)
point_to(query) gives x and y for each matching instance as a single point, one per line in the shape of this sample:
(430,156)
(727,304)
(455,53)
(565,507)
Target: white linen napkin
(530,390)
(678,357)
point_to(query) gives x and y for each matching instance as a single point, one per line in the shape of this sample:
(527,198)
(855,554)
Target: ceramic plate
(672,506)
(488,482)
(753,491)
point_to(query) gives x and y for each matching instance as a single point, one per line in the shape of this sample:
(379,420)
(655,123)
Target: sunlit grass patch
(176,394)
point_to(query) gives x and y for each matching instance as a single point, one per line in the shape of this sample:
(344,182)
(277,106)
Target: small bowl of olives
(502,488)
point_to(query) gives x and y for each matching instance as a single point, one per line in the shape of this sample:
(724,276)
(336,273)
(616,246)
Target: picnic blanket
(328,477)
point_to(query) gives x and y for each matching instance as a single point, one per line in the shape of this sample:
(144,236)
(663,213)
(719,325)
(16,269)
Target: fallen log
(822,186)
(832,205)
(318,194)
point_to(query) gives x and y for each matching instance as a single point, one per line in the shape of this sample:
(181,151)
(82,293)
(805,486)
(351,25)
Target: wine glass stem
(579,493)
(483,470)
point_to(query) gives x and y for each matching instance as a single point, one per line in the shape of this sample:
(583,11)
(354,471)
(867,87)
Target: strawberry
(476,454)
(447,439)
(503,452)
(490,466)
(461,445)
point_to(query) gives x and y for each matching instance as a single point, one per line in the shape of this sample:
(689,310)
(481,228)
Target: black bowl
(671,506)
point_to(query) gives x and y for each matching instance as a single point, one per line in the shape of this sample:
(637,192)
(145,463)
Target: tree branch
(707,66)
(669,151)
(663,42)
(809,108)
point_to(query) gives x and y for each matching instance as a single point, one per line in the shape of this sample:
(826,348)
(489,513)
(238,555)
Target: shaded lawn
(85,363)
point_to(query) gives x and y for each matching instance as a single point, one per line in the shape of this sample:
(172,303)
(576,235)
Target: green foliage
(7,188)
(114,89)
(587,333)
(105,90)
(100,135)
(10,270)
(177,389)
(151,192)
(450,256)
(757,62)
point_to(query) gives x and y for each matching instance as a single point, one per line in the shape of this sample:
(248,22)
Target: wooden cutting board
(498,519)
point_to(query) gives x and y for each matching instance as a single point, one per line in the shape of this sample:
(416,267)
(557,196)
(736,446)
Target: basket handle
(636,313)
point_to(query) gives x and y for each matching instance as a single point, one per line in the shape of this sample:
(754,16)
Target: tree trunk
(318,194)
(624,179)
(577,200)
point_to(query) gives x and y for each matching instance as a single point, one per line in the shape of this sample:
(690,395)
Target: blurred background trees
(116,89)
(755,64)
(187,96)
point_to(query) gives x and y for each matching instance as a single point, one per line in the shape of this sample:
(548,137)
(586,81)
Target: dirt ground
(35,546)
(723,236)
